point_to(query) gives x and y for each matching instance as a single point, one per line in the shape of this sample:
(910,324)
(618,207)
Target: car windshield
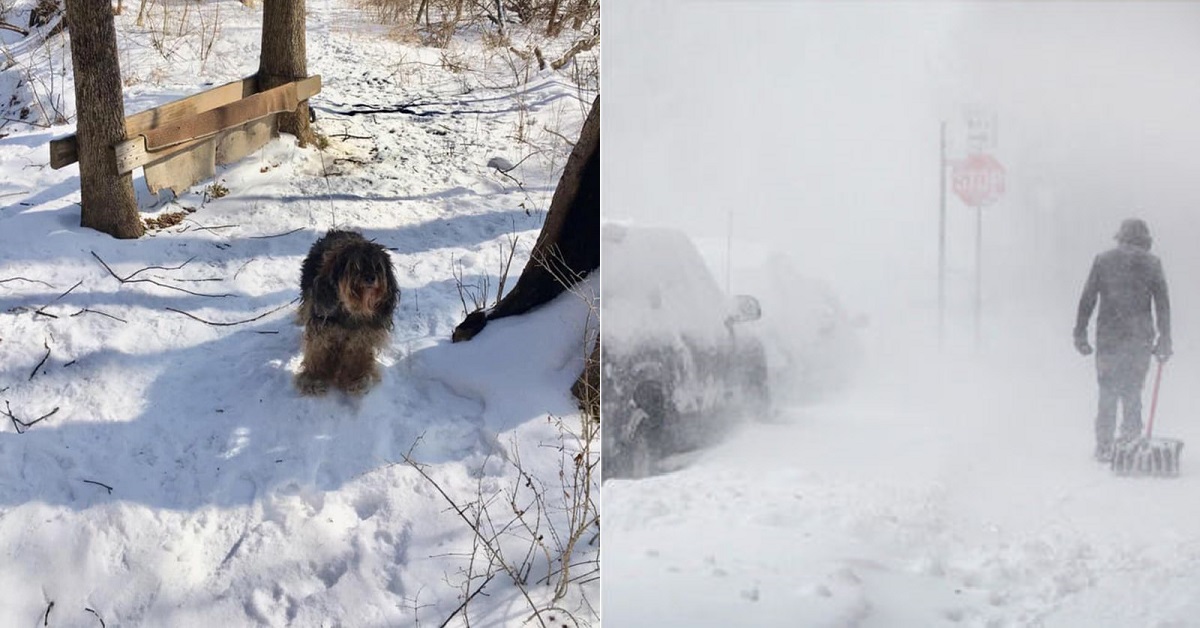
(656,284)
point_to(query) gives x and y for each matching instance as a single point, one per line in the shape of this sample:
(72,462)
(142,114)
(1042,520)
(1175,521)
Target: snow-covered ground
(178,478)
(941,490)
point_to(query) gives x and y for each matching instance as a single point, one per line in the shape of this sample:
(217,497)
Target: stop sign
(978,180)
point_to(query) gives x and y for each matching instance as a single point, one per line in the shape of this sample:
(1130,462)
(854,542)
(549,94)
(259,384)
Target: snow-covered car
(678,366)
(813,341)
(814,344)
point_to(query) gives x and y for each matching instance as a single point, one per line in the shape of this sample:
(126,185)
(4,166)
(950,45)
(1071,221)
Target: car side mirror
(746,309)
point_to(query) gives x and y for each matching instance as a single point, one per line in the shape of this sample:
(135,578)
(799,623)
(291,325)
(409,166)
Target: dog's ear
(324,298)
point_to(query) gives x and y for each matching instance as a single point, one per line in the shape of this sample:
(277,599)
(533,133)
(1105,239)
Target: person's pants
(1121,373)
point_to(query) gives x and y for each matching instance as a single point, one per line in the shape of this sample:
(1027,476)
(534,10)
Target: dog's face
(360,278)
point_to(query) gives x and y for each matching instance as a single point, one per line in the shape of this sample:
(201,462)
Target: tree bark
(284,59)
(552,25)
(108,202)
(586,389)
(568,248)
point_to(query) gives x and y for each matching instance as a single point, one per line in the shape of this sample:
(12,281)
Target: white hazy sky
(816,124)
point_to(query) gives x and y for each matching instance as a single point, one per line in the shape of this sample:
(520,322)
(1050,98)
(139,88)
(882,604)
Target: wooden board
(156,143)
(63,151)
(184,168)
(197,160)
(235,144)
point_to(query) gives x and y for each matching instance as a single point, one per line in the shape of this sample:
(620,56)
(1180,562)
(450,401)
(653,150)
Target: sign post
(979,181)
(942,243)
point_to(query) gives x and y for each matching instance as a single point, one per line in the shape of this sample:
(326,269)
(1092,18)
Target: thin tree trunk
(108,202)
(552,26)
(586,389)
(284,59)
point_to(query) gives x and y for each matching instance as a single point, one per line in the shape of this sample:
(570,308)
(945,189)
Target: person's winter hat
(1134,231)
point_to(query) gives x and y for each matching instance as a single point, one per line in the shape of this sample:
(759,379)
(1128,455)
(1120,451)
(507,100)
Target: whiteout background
(950,486)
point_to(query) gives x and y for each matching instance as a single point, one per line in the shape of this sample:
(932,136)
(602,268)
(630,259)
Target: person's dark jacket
(1127,280)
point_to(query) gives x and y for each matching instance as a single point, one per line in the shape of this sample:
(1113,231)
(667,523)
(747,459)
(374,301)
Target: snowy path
(182,481)
(965,498)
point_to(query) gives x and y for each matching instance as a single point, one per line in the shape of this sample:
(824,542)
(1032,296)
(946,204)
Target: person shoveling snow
(1128,280)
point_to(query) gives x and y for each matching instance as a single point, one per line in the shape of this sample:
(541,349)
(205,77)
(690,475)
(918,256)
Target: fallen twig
(102,625)
(69,290)
(200,227)
(22,426)
(24,279)
(46,620)
(232,323)
(110,489)
(130,278)
(242,267)
(277,235)
(86,310)
(45,343)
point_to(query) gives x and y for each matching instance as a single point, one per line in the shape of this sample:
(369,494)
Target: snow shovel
(1147,455)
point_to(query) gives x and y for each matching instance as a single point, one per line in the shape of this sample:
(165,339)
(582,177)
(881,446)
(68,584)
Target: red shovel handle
(1154,400)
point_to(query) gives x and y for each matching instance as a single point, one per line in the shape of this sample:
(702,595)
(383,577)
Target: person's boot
(1128,435)
(1104,452)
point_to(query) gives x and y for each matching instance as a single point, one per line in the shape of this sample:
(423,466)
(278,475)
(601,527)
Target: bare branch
(470,597)
(86,310)
(22,426)
(580,46)
(493,553)
(45,343)
(232,323)
(102,625)
(130,278)
(277,235)
(24,279)
(200,227)
(110,489)
(40,309)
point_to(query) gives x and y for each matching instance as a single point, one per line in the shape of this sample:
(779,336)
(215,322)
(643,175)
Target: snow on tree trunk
(568,247)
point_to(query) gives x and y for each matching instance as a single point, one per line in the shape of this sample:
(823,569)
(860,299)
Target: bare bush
(41,65)
(541,531)
(183,31)
(440,20)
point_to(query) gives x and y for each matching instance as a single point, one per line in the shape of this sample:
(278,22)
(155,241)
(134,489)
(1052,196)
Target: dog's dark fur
(348,293)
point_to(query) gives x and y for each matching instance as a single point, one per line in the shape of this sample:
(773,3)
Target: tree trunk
(586,389)
(552,25)
(108,202)
(568,248)
(284,59)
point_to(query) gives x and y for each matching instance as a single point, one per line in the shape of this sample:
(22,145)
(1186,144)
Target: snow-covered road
(938,491)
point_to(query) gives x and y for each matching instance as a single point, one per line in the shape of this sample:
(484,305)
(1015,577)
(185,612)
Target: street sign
(981,129)
(978,180)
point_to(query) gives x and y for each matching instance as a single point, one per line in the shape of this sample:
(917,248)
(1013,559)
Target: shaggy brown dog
(348,293)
